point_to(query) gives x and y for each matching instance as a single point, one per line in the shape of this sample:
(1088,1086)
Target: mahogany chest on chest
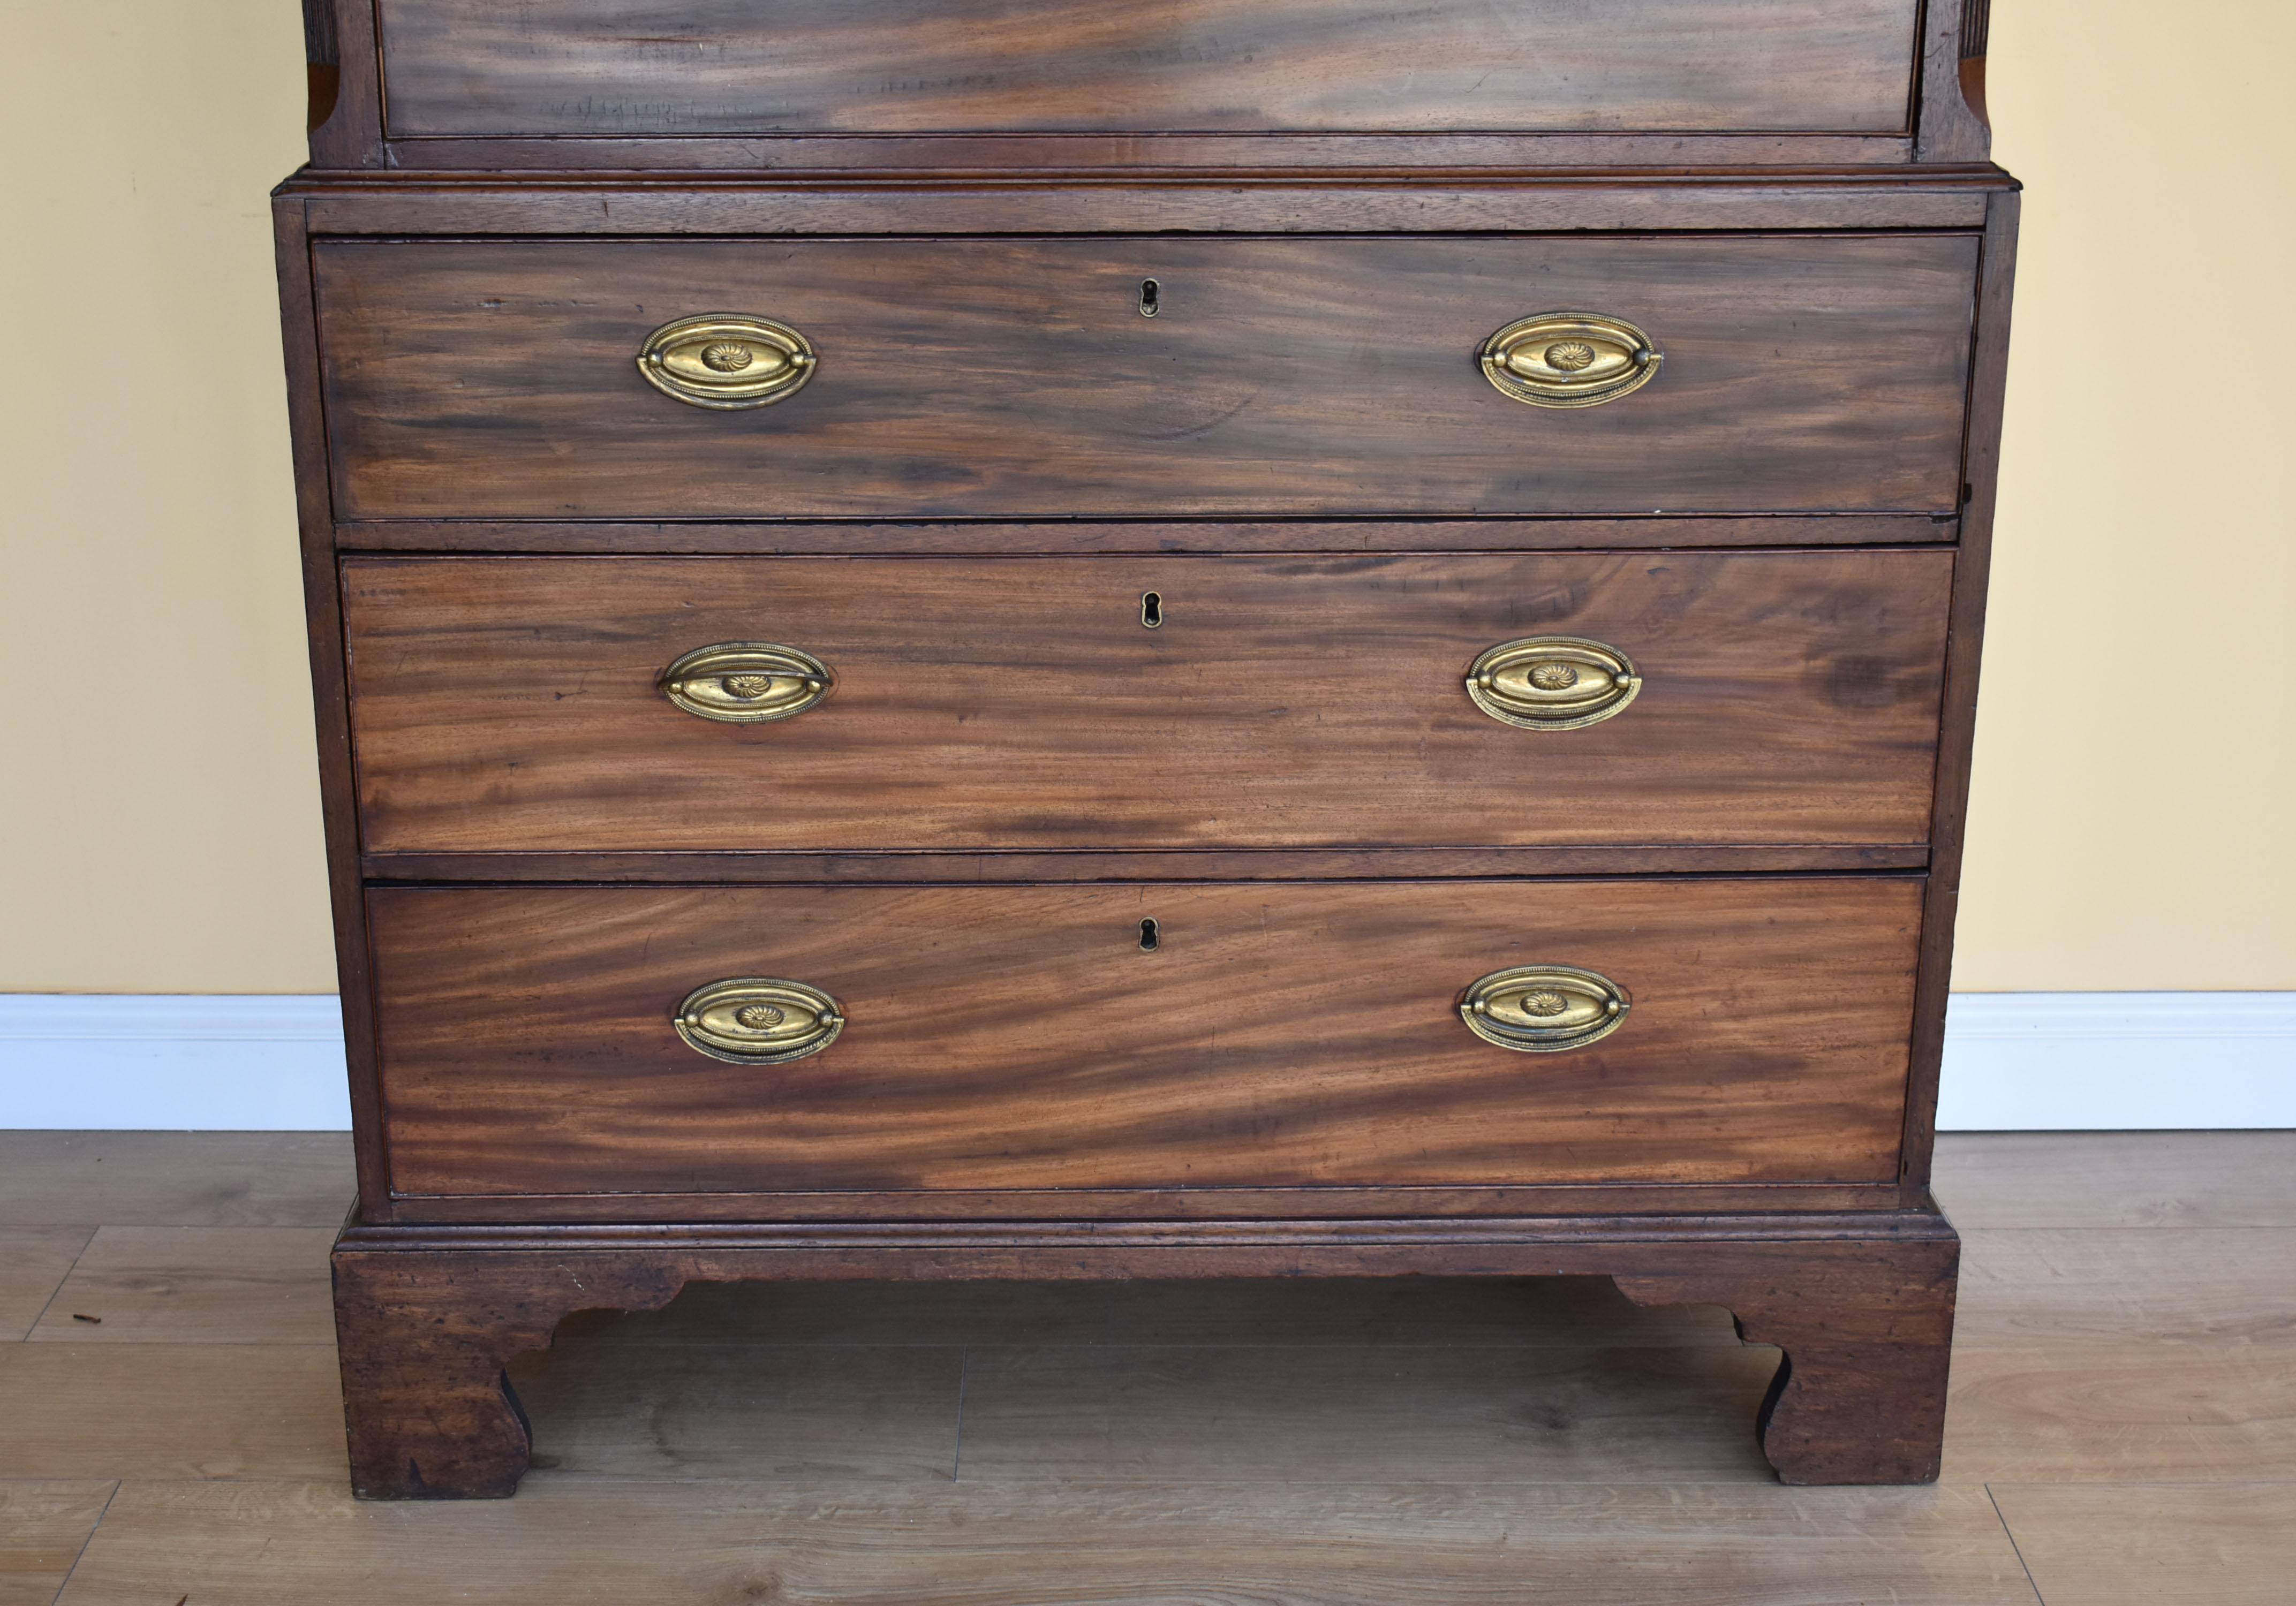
(1002,639)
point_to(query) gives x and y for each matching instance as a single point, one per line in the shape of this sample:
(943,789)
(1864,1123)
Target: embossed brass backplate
(1553,683)
(726,360)
(758,1020)
(1543,1008)
(746,682)
(1569,359)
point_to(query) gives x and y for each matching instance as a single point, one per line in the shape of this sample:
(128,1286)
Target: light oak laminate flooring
(2123,1429)
(2144,1544)
(567,1542)
(34,1262)
(2087,1180)
(170,1411)
(43,1525)
(175,1179)
(195,1285)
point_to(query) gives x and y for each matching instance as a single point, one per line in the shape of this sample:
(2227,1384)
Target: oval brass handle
(758,1020)
(1553,683)
(726,360)
(1544,1009)
(746,682)
(1569,359)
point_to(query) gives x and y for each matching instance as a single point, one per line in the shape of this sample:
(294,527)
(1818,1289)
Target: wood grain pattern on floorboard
(2117,1179)
(2123,1387)
(2135,1413)
(2152,1544)
(568,1540)
(34,1262)
(175,1179)
(170,1411)
(1448,1313)
(196,1285)
(2054,1288)
(1256,1416)
(43,1523)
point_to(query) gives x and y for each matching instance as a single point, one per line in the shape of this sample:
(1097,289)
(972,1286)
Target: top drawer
(956,378)
(669,68)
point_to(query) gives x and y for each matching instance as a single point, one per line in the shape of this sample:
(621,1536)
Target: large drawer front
(1018,378)
(510,704)
(732,67)
(1021,1037)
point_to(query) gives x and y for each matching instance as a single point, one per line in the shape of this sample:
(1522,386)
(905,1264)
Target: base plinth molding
(1861,1306)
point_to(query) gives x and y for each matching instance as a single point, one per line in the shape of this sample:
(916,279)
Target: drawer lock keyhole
(1151,297)
(1151,609)
(1149,936)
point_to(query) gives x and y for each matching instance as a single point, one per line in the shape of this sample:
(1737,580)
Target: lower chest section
(1000,725)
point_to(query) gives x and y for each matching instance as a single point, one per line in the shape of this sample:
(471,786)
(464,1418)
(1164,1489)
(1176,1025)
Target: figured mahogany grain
(510,704)
(1016,378)
(1020,1038)
(732,67)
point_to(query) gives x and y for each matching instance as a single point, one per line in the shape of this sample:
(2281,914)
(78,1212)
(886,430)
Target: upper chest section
(1028,85)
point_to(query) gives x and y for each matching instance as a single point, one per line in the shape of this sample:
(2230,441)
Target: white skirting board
(2013,1061)
(172,1062)
(2118,1061)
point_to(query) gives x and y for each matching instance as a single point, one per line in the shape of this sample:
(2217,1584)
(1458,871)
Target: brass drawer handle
(758,1020)
(726,360)
(1553,683)
(1569,359)
(746,682)
(1544,1009)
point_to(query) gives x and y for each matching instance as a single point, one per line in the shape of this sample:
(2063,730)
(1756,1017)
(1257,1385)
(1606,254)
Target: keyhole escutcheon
(1151,297)
(1151,609)
(1149,936)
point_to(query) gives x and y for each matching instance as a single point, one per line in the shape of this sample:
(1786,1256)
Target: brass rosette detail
(726,361)
(1569,359)
(1544,1009)
(746,682)
(757,1021)
(1553,683)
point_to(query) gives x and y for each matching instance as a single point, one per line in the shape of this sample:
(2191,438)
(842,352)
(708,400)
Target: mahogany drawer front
(1018,378)
(734,67)
(513,704)
(1021,1037)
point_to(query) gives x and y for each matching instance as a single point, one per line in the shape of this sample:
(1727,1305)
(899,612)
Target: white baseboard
(2013,1061)
(2118,1061)
(172,1062)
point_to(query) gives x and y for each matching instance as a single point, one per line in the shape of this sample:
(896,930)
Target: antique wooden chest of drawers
(986,638)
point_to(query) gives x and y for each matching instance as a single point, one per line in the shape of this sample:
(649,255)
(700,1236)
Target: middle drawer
(1764,698)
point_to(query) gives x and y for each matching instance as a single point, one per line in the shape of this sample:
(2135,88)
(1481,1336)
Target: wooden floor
(2123,1427)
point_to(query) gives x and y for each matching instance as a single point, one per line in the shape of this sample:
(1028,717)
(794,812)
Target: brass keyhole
(1151,609)
(1151,295)
(1148,936)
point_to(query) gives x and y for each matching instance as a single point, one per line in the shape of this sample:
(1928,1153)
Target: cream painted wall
(2130,823)
(158,810)
(159,830)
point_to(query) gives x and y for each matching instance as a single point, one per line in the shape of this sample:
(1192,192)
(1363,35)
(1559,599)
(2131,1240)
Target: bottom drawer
(1027,1037)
